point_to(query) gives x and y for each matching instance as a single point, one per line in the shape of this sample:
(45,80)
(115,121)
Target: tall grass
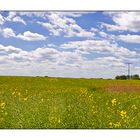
(43,102)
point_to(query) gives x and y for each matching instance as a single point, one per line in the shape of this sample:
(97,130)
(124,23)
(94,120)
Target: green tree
(117,77)
(121,77)
(135,77)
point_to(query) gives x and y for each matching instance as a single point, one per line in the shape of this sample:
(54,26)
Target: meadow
(72,103)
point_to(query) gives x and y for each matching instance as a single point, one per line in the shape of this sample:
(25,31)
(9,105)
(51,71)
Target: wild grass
(44,102)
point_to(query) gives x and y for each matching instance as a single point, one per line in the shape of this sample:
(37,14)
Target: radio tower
(129,76)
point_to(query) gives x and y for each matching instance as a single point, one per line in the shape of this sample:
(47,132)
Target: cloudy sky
(69,44)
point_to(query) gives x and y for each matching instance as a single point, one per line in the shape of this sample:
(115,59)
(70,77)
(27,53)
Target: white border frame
(69,135)
(94,5)
(69,5)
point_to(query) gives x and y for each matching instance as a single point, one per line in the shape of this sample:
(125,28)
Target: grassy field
(43,102)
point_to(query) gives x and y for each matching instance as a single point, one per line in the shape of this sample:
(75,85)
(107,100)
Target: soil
(123,88)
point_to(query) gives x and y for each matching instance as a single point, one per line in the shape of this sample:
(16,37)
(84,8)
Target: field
(45,102)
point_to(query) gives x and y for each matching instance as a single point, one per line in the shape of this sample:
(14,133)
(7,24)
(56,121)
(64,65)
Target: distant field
(43,102)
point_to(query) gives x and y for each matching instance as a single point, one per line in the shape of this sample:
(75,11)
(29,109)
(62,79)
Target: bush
(124,77)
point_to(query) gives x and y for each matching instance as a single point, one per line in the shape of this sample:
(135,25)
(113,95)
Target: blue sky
(69,44)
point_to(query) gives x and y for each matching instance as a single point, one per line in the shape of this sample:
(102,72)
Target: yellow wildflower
(110,125)
(54,119)
(123,114)
(134,107)
(13,93)
(2,105)
(25,99)
(90,96)
(117,125)
(114,102)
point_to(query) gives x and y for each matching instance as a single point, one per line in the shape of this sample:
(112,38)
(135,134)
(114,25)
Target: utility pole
(129,77)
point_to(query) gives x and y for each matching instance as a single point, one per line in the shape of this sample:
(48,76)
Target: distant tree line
(125,77)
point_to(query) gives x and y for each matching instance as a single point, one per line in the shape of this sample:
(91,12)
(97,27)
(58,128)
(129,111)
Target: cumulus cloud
(124,21)
(45,14)
(27,36)
(103,34)
(129,38)
(8,32)
(12,16)
(67,63)
(19,19)
(62,23)
(92,56)
(101,46)
(104,63)
(9,49)
(30,36)
(59,22)
(39,54)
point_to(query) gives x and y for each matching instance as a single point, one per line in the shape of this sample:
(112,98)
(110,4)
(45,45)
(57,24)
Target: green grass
(43,102)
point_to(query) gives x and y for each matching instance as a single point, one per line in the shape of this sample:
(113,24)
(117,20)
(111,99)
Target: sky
(69,44)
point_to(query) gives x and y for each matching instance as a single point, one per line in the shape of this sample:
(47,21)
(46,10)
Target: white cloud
(12,16)
(111,27)
(31,14)
(2,20)
(45,14)
(52,28)
(104,63)
(129,38)
(103,34)
(110,61)
(39,55)
(94,30)
(59,22)
(100,46)
(30,36)
(44,54)
(9,49)
(19,19)
(52,62)
(62,23)
(8,32)
(94,57)
(27,36)
(129,21)
(36,62)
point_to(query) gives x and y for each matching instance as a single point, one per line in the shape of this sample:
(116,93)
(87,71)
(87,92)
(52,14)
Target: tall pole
(128,70)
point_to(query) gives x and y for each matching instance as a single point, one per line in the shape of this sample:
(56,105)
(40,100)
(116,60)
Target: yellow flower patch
(114,102)
(123,114)
(2,105)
